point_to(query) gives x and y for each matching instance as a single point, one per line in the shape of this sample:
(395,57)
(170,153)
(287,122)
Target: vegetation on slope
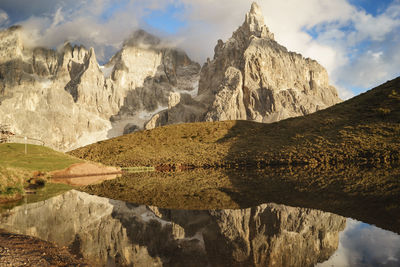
(363,130)
(16,167)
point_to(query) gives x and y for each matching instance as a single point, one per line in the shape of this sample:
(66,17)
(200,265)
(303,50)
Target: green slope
(16,167)
(38,158)
(365,129)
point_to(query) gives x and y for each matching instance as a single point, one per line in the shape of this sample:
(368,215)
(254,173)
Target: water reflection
(365,245)
(116,233)
(370,195)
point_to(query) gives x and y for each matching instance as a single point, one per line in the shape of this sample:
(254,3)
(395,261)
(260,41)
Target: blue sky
(356,40)
(373,7)
(166,20)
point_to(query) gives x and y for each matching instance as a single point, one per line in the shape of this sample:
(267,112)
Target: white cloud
(3,18)
(358,49)
(209,21)
(366,245)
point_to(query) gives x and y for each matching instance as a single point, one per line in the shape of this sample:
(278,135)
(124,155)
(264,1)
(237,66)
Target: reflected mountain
(116,233)
(367,194)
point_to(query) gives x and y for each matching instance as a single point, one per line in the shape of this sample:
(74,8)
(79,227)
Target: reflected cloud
(365,245)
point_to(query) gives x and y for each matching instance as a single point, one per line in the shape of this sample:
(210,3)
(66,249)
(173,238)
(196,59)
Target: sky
(357,41)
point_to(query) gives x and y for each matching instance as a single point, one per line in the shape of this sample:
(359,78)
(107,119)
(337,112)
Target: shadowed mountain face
(117,232)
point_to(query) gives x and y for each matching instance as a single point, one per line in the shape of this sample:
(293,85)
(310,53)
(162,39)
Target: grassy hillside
(16,167)
(363,130)
(38,158)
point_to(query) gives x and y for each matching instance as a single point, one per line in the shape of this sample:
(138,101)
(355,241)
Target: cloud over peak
(358,49)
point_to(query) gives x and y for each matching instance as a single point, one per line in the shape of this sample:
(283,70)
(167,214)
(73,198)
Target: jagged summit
(252,77)
(253,25)
(255,9)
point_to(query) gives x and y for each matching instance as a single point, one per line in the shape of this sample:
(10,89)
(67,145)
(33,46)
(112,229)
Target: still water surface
(116,233)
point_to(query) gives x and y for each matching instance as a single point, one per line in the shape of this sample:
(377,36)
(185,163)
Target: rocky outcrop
(67,100)
(115,232)
(252,77)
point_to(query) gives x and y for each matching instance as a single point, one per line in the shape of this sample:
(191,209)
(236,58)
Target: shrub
(383,111)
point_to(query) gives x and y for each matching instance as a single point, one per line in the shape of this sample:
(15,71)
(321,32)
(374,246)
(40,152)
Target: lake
(117,233)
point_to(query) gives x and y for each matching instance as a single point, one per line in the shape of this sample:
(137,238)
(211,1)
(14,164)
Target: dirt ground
(81,174)
(19,250)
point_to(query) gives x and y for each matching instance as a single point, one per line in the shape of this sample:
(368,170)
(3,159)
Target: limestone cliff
(143,74)
(34,96)
(252,77)
(115,232)
(67,100)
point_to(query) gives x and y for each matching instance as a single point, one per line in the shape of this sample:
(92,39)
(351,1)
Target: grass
(11,183)
(362,130)
(38,158)
(16,168)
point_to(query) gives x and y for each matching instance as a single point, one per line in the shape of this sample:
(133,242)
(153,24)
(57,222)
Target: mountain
(252,77)
(66,99)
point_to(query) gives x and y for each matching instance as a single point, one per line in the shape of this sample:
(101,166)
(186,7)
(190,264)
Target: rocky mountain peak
(254,24)
(252,77)
(91,58)
(255,16)
(11,46)
(142,38)
(255,9)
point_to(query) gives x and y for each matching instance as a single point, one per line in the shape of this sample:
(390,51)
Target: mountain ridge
(68,100)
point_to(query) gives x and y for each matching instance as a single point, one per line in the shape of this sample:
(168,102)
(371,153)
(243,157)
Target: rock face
(144,75)
(115,232)
(67,100)
(252,77)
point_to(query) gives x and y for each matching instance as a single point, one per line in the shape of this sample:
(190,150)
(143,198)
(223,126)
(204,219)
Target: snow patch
(106,70)
(46,84)
(139,119)
(148,216)
(147,115)
(198,236)
(92,137)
